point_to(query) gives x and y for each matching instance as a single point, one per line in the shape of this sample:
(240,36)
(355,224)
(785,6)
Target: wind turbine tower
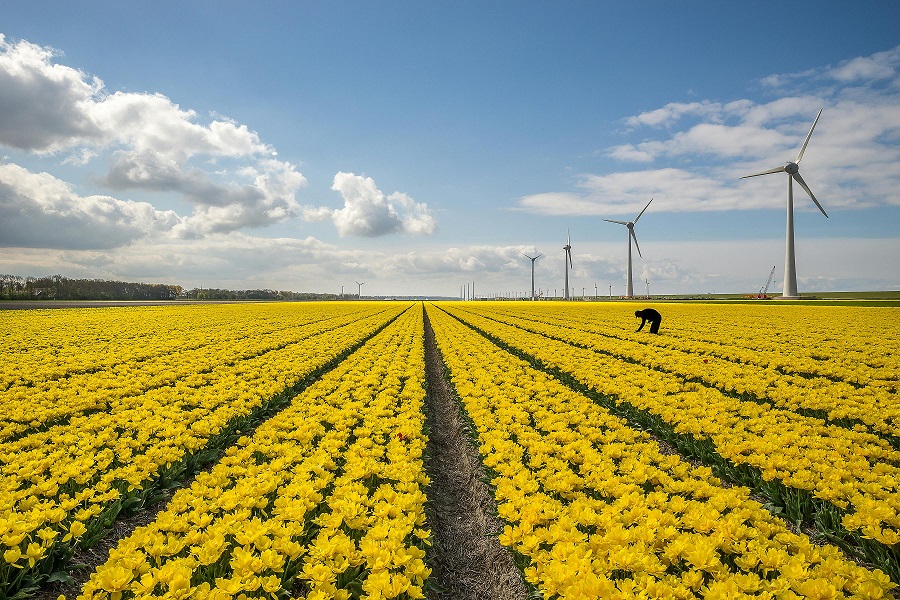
(533,258)
(629,286)
(793,171)
(568,249)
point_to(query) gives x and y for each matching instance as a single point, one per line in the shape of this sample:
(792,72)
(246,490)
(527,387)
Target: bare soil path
(467,560)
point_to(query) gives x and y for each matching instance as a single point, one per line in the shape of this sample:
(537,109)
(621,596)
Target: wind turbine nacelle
(791,168)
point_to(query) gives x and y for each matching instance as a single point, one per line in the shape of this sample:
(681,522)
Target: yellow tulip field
(745,451)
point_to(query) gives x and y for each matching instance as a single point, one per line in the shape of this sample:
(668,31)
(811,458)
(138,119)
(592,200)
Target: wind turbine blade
(619,222)
(634,237)
(568,236)
(642,212)
(806,141)
(769,172)
(802,183)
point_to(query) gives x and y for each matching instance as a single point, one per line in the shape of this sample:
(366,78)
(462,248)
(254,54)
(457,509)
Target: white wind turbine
(532,258)
(629,287)
(568,249)
(793,171)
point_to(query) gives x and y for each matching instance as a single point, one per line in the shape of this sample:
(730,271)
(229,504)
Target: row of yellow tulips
(68,481)
(64,364)
(325,498)
(786,375)
(855,471)
(596,510)
(850,343)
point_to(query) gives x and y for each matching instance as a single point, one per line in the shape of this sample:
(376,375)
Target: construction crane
(763,290)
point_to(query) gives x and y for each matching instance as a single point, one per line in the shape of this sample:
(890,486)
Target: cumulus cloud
(152,123)
(40,211)
(43,106)
(154,144)
(853,160)
(220,206)
(367,212)
(49,107)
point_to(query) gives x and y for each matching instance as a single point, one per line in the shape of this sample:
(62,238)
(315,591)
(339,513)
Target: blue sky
(418,146)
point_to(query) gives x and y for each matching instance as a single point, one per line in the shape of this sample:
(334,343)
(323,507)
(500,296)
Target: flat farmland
(287,450)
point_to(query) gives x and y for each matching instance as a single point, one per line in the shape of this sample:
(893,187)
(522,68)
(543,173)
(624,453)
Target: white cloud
(672,112)
(40,211)
(80,158)
(50,108)
(711,139)
(367,212)
(627,192)
(316,213)
(879,66)
(151,123)
(458,261)
(627,152)
(44,107)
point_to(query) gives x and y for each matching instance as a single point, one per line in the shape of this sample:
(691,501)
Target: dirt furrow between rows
(467,560)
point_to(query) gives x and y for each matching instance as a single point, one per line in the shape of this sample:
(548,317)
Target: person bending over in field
(648,314)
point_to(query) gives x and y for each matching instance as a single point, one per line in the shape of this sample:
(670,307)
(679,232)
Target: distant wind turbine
(533,258)
(359,285)
(568,249)
(629,287)
(793,171)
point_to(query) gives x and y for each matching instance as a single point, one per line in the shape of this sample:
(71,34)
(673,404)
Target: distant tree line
(57,287)
(219,294)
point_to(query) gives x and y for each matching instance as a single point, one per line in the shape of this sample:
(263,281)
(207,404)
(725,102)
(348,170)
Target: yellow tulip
(34,553)
(12,556)
(114,579)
